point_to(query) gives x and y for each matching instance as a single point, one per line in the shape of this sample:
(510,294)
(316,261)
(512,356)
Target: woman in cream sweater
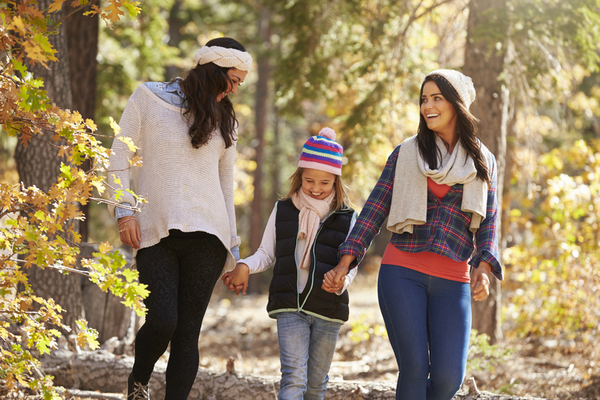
(185,236)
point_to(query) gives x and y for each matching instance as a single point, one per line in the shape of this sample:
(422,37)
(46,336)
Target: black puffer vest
(283,291)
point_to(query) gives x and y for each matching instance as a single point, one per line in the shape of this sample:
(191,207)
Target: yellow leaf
(129,142)
(104,247)
(136,162)
(35,52)
(115,127)
(90,123)
(56,5)
(76,238)
(18,24)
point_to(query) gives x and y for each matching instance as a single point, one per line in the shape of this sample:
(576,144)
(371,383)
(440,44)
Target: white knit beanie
(224,57)
(461,83)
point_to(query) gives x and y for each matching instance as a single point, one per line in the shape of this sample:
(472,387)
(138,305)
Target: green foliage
(37,227)
(132,51)
(541,27)
(362,328)
(555,263)
(483,355)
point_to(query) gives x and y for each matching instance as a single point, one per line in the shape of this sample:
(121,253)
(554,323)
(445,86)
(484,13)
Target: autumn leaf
(104,247)
(115,127)
(56,5)
(63,151)
(90,124)
(129,142)
(18,24)
(132,7)
(113,11)
(136,161)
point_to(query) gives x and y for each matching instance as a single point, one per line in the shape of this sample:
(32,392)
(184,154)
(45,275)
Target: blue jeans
(428,321)
(306,348)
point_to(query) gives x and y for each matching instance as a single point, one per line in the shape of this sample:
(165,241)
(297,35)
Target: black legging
(181,272)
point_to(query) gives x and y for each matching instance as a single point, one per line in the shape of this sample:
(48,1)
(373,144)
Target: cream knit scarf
(409,196)
(311,212)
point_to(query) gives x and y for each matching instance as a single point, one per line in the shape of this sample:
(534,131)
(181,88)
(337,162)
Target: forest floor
(237,333)
(238,329)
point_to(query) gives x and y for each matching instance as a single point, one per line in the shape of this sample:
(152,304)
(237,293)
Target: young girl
(302,236)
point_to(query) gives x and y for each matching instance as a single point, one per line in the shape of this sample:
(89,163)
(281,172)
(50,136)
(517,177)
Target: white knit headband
(224,57)
(461,83)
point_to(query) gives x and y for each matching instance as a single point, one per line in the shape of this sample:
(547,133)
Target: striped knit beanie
(322,152)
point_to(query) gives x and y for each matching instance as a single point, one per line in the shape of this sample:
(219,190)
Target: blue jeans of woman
(428,321)
(306,348)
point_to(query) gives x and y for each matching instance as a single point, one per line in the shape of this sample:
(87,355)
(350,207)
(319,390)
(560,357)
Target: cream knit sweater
(187,189)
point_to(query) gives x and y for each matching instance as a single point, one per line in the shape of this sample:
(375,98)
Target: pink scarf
(311,212)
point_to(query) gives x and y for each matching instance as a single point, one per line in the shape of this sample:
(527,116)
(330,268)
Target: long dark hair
(201,86)
(467,125)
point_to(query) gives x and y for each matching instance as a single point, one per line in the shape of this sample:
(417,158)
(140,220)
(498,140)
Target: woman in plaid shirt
(438,193)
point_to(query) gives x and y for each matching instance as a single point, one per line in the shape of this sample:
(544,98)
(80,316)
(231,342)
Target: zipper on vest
(313,260)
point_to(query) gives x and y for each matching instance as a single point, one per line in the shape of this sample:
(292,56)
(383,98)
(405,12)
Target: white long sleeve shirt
(265,255)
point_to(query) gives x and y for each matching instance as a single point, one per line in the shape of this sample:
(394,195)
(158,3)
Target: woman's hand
(237,279)
(328,284)
(480,281)
(129,232)
(334,278)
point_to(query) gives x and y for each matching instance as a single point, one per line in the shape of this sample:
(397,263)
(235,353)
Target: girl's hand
(129,232)
(335,277)
(328,282)
(237,280)
(480,281)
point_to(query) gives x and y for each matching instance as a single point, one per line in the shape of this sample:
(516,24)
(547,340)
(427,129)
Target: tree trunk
(175,25)
(38,165)
(256,282)
(484,62)
(262,98)
(275,159)
(82,38)
(104,371)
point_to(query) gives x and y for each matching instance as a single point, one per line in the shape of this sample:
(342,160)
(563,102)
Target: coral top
(427,262)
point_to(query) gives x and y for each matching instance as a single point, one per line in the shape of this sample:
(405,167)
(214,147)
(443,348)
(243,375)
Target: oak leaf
(113,11)
(56,6)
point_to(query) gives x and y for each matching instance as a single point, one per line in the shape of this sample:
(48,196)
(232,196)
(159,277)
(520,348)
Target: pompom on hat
(224,57)
(460,82)
(322,152)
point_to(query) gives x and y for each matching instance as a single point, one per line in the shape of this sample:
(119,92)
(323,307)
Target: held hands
(329,284)
(334,278)
(480,281)
(129,232)
(237,279)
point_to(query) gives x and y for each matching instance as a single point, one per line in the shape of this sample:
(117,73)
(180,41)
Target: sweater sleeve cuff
(235,242)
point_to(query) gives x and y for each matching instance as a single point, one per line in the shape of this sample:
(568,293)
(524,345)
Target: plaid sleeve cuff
(353,249)
(489,258)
